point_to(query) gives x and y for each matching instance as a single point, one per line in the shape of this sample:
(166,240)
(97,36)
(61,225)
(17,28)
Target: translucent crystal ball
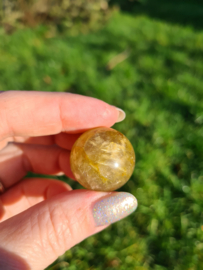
(102,159)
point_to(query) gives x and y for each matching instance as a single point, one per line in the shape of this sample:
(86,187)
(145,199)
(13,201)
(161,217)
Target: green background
(159,84)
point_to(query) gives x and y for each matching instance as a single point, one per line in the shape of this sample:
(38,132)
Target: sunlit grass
(159,85)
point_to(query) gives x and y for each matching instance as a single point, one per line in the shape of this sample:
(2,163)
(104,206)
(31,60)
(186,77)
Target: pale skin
(42,218)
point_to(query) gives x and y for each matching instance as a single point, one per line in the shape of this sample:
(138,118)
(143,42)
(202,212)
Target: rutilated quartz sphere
(102,159)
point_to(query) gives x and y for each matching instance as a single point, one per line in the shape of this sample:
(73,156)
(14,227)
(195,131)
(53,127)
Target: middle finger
(62,139)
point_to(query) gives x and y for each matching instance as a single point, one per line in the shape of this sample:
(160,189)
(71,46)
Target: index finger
(30,113)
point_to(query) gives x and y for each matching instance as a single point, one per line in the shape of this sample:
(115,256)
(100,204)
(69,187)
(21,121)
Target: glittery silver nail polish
(114,207)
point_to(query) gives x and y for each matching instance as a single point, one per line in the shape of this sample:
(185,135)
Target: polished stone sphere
(102,159)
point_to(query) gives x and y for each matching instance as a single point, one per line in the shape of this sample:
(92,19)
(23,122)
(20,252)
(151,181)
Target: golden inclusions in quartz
(102,159)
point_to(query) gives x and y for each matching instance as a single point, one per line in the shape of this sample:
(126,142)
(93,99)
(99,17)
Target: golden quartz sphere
(102,159)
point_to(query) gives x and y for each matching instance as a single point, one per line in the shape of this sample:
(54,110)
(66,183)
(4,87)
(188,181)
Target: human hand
(42,218)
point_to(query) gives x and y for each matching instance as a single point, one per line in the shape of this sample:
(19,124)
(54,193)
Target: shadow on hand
(10,161)
(35,188)
(31,186)
(9,260)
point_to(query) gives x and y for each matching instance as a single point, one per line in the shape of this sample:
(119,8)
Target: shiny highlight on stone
(102,159)
(113,208)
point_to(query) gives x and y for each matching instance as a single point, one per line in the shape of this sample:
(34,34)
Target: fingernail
(110,209)
(121,115)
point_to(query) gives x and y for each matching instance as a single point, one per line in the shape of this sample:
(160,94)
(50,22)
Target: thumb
(45,231)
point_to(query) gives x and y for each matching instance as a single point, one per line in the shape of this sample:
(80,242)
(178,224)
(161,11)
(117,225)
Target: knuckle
(58,227)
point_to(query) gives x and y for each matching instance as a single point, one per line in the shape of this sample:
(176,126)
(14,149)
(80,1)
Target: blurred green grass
(159,85)
(184,12)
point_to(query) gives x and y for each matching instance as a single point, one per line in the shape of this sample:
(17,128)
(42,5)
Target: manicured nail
(121,115)
(114,207)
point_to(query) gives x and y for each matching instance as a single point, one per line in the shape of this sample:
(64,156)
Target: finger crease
(26,164)
(50,211)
